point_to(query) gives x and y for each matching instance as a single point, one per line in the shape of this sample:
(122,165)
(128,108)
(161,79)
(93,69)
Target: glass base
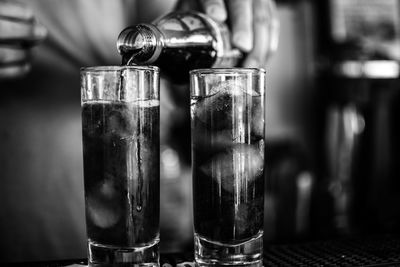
(107,256)
(249,253)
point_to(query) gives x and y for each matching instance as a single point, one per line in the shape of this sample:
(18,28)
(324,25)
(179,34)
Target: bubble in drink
(221,99)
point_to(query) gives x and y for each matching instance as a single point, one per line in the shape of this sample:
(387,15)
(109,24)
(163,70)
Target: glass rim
(228,71)
(117,68)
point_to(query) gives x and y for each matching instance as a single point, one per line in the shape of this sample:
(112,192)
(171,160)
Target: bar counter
(350,252)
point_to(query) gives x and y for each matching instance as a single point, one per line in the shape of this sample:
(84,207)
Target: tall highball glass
(120,127)
(227,116)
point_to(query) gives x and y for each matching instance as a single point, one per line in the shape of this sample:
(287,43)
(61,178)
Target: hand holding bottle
(19,32)
(254,25)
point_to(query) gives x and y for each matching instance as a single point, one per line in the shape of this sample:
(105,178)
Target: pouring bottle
(178,43)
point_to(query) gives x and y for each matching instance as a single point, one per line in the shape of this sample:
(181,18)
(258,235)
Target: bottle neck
(140,44)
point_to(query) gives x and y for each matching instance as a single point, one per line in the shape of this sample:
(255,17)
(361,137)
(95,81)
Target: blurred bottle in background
(358,45)
(332,145)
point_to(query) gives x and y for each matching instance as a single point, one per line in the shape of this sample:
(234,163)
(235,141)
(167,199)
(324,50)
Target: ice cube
(248,218)
(123,118)
(107,189)
(215,110)
(261,147)
(216,140)
(223,138)
(102,204)
(242,219)
(238,165)
(116,121)
(101,213)
(235,87)
(226,102)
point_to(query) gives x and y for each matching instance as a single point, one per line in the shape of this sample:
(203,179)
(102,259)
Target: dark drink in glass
(227,110)
(120,127)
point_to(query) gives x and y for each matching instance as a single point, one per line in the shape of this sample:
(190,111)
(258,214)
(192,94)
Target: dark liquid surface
(228,167)
(120,141)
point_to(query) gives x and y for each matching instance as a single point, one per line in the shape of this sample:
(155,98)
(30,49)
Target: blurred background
(331,124)
(332,136)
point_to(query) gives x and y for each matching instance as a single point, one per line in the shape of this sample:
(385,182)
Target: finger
(215,9)
(15,31)
(15,10)
(14,71)
(261,18)
(266,33)
(240,15)
(9,55)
